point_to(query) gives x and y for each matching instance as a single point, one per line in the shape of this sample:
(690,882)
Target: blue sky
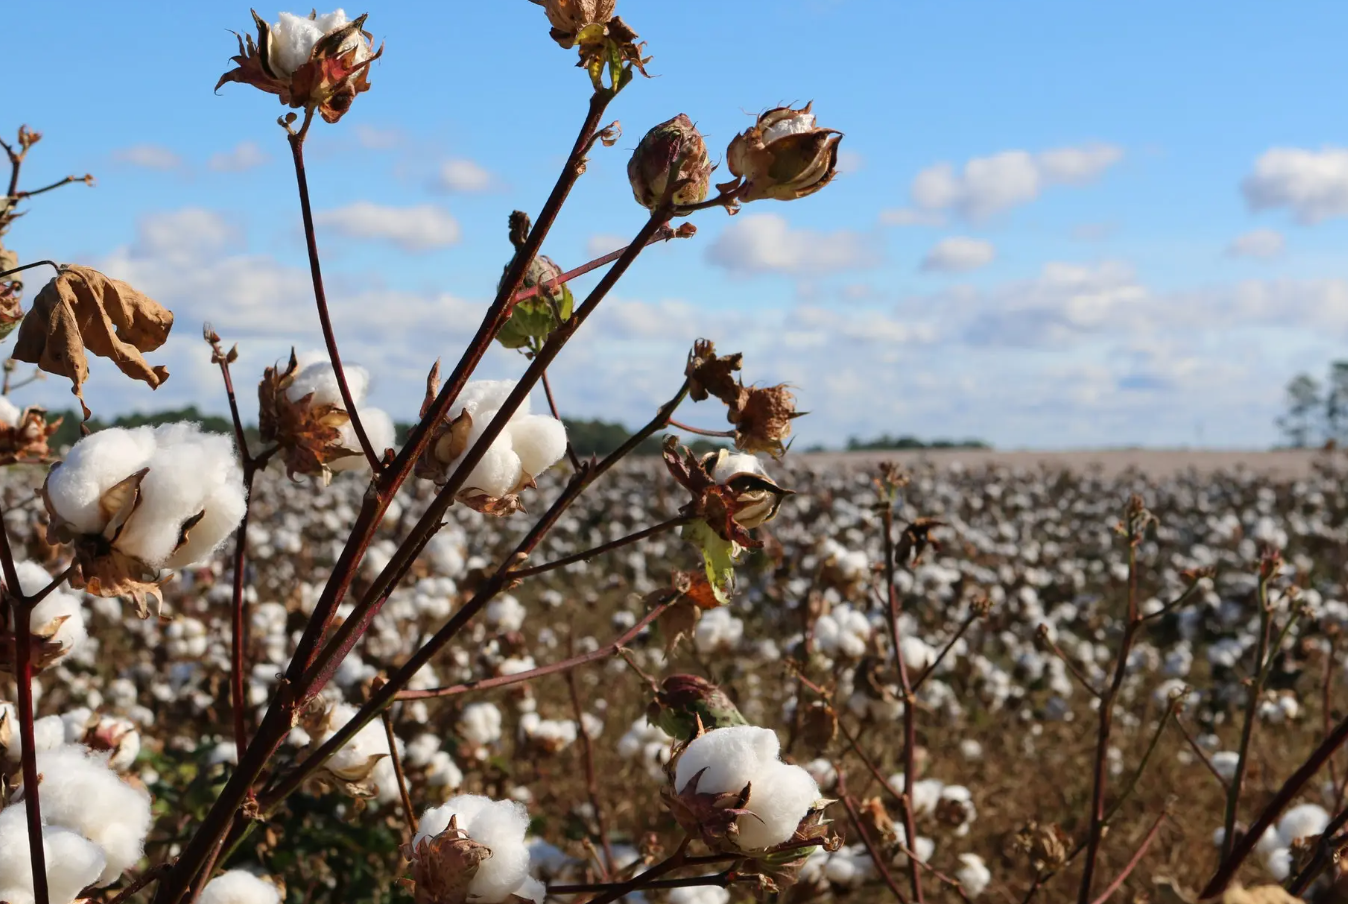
(1059,224)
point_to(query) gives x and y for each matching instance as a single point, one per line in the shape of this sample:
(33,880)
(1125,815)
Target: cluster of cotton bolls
(500,826)
(524,450)
(1273,851)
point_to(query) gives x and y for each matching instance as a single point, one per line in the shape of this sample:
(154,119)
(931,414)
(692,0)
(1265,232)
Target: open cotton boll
(9,412)
(351,761)
(239,887)
(973,875)
(699,894)
(481,396)
(190,472)
(80,792)
(480,723)
(734,463)
(1302,822)
(539,440)
(499,825)
(727,759)
(316,375)
(505,613)
(49,732)
(33,578)
(378,430)
(73,862)
(499,470)
(95,464)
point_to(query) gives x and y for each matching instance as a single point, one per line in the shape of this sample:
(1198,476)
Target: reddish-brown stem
(1072,668)
(586,554)
(909,710)
(876,857)
(587,759)
(53,264)
(554,668)
(525,294)
(86,179)
(1132,863)
(408,812)
(669,864)
(21,613)
(204,877)
(321,300)
(1200,753)
(497,582)
(144,879)
(1326,713)
(552,405)
(277,722)
(699,431)
(721,879)
(945,651)
(15,164)
(1251,717)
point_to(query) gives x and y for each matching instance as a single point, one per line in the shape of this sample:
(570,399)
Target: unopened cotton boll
(73,862)
(728,759)
(239,887)
(973,875)
(500,825)
(81,793)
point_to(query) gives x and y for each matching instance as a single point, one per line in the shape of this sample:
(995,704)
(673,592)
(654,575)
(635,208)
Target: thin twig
(587,759)
(408,812)
(552,405)
(602,548)
(669,864)
(150,875)
(876,857)
(1132,863)
(699,431)
(1201,753)
(972,617)
(53,264)
(719,879)
(1042,635)
(86,179)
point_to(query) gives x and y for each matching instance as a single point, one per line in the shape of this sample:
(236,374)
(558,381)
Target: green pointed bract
(718,557)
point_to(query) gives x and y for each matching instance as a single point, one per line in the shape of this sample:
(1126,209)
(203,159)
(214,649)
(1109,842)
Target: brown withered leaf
(444,866)
(448,439)
(83,310)
(762,417)
(679,621)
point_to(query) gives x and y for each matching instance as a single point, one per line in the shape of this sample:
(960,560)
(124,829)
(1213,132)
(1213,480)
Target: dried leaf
(83,310)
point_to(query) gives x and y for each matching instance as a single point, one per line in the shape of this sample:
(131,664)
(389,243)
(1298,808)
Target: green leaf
(718,556)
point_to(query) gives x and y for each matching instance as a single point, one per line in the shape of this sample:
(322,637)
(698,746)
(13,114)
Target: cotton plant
(527,446)
(237,886)
(138,500)
(729,787)
(474,838)
(72,862)
(57,623)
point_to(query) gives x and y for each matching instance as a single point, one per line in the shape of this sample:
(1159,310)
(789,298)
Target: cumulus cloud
(148,156)
(243,156)
(1312,185)
(463,175)
(190,233)
(958,254)
(986,186)
(766,243)
(1258,243)
(602,243)
(419,228)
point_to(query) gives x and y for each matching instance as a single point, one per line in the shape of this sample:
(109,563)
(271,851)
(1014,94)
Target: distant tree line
(885,442)
(1316,413)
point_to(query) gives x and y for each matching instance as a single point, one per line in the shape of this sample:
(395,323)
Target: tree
(1303,402)
(1336,402)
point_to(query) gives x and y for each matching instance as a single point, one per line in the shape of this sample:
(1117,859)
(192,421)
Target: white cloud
(463,175)
(191,232)
(958,254)
(850,162)
(766,243)
(243,156)
(986,186)
(602,243)
(1259,243)
(378,139)
(418,228)
(1313,185)
(908,216)
(148,156)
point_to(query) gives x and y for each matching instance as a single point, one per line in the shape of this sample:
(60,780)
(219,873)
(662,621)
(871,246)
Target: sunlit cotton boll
(718,631)
(973,875)
(293,39)
(72,861)
(80,792)
(1302,821)
(699,894)
(194,478)
(727,759)
(59,604)
(239,887)
(500,825)
(527,446)
(480,723)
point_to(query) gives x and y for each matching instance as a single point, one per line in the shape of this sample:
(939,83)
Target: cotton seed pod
(784,155)
(533,319)
(672,153)
(686,701)
(316,63)
(569,17)
(762,417)
(444,865)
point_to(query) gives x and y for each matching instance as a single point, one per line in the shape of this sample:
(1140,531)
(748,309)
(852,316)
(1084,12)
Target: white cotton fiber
(499,470)
(973,875)
(49,732)
(501,826)
(699,894)
(480,723)
(779,796)
(728,464)
(57,604)
(239,887)
(539,440)
(1302,822)
(351,758)
(9,412)
(72,862)
(81,793)
(293,39)
(95,464)
(481,396)
(844,632)
(505,613)
(315,375)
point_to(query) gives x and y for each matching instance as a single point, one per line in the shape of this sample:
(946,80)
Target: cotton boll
(9,412)
(1224,762)
(379,430)
(239,887)
(539,440)
(780,797)
(49,732)
(82,793)
(73,862)
(973,875)
(531,889)
(500,825)
(699,894)
(1279,864)
(1302,822)
(732,463)
(505,613)
(485,396)
(317,376)
(352,758)
(95,464)
(480,723)
(33,578)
